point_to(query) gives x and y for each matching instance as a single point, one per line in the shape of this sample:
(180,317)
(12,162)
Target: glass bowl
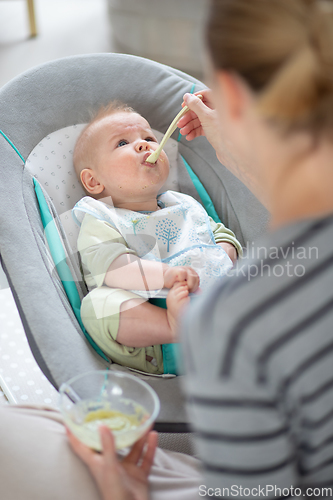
(122,402)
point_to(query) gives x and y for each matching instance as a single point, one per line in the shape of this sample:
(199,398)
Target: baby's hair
(112,107)
(284,51)
(83,156)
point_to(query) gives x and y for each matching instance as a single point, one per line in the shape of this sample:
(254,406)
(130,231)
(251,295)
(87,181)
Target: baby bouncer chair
(41,115)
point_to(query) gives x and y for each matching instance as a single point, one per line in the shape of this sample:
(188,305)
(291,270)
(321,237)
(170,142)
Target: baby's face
(123,143)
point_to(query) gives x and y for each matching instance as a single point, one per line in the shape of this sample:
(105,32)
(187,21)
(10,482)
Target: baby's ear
(90,182)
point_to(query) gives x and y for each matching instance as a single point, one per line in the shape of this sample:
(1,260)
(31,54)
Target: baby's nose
(142,146)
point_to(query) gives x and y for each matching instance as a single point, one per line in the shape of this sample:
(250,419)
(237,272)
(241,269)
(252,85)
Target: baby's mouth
(146,155)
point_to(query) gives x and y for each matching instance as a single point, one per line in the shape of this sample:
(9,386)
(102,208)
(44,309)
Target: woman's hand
(116,479)
(202,119)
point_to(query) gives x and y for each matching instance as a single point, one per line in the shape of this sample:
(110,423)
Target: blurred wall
(167,31)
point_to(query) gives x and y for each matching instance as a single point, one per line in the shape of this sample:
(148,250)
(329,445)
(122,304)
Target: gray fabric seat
(59,94)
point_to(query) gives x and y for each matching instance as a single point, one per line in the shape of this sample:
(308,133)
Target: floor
(65,27)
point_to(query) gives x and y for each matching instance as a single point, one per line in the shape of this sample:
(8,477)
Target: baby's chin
(143,191)
(156,174)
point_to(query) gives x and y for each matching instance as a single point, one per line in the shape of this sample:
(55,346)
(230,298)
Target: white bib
(179,234)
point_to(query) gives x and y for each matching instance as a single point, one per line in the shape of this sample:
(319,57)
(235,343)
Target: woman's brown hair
(284,51)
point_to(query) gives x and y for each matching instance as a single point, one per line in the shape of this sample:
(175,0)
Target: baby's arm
(229,249)
(132,273)
(107,260)
(225,238)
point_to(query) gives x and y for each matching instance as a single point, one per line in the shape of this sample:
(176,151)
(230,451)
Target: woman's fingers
(200,118)
(196,105)
(87,455)
(148,458)
(136,451)
(190,120)
(195,133)
(188,126)
(81,450)
(108,446)
(206,97)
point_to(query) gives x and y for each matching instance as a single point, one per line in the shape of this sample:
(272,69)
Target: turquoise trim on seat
(59,259)
(12,145)
(170,352)
(206,199)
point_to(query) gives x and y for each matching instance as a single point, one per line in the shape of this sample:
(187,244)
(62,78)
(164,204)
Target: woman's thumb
(195,104)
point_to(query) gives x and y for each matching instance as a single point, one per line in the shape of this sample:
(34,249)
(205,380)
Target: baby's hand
(180,273)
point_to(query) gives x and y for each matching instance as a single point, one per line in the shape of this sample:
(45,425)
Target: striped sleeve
(258,351)
(241,436)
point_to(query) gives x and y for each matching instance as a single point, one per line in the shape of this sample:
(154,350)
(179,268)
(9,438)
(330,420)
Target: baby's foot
(177,299)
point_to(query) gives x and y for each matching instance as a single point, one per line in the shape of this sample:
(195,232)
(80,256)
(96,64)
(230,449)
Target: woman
(259,347)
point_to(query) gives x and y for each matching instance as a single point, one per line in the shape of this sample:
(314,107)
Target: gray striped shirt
(258,351)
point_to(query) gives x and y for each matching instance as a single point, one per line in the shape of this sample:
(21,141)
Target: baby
(133,240)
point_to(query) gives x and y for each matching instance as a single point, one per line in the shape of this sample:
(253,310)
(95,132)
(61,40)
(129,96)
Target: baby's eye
(150,139)
(121,143)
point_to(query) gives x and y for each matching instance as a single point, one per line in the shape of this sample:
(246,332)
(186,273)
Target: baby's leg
(177,299)
(142,324)
(129,335)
